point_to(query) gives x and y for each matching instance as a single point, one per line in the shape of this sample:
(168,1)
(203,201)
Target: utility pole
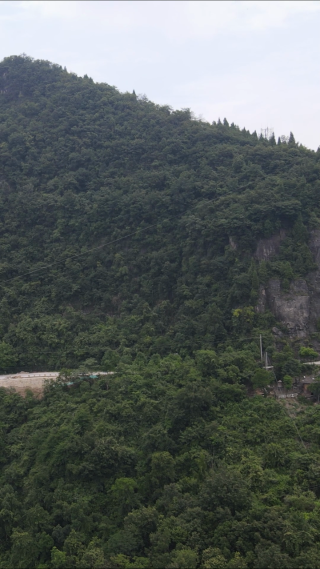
(266,356)
(261,348)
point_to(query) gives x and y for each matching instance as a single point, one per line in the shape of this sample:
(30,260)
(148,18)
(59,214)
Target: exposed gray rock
(262,300)
(314,281)
(314,287)
(299,308)
(232,243)
(292,308)
(267,248)
(315,245)
(277,332)
(299,287)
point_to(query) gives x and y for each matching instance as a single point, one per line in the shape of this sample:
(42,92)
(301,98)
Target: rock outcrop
(299,308)
(314,282)
(291,308)
(267,248)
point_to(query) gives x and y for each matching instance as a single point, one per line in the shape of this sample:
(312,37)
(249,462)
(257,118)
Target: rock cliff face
(293,308)
(267,248)
(299,308)
(314,282)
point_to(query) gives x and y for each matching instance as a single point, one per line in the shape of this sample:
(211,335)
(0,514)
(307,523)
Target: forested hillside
(161,467)
(82,167)
(130,240)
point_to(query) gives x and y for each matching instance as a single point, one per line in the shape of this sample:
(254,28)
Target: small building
(306,381)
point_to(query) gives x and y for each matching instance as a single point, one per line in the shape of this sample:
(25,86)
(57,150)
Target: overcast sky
(255,63)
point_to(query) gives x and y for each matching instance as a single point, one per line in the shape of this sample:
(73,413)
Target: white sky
(255,63)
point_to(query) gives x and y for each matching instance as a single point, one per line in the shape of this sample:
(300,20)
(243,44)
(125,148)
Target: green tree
(287,381)
(184,558)
(58,558)
(314,388)
(285,363)
(124,497)
(262,378)
(207,362)
(8,358)
(308,353)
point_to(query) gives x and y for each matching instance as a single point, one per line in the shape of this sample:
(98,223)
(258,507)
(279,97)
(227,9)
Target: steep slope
(128,227)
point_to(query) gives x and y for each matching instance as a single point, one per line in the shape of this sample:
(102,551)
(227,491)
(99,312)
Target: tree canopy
(159,465)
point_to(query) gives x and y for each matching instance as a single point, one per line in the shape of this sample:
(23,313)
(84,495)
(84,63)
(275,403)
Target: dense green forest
(161,466)
(82,167)
(127,240)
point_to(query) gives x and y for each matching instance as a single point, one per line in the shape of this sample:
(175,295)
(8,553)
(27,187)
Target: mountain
(137,239)
(128,226)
